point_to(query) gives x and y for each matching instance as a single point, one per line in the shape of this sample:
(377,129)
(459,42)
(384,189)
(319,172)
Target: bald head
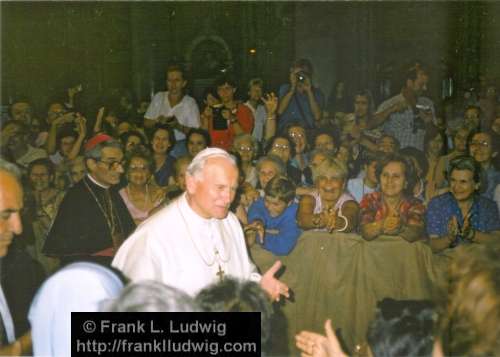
(11,203)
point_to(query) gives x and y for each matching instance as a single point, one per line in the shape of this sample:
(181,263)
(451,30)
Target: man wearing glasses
(93,220)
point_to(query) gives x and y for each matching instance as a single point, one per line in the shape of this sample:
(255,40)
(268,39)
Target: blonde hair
(330,165)
(471,323)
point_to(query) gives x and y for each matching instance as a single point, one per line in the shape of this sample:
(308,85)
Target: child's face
(180,178)
(275,206)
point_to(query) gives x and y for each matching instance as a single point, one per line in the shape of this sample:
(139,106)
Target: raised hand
(315,345)
(271,103)
(273,286)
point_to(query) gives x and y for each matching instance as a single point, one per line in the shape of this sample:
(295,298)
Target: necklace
(147,198)
(217,256)
(109,217)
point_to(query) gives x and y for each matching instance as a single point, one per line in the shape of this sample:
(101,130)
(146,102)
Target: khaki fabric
(342,277)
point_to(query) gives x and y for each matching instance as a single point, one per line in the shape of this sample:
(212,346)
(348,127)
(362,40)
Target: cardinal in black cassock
(92,220)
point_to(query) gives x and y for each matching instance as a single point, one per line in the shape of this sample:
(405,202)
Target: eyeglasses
(480,143)
(245,148)
(138,168)
(281,147)
(296,135)
(113,165)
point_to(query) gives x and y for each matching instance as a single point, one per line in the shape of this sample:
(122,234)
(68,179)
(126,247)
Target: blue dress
(484,215)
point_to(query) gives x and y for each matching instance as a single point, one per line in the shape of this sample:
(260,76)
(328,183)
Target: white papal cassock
(177,247)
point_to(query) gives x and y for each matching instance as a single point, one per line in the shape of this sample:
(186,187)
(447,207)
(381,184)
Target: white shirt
(177,247)
(186,111)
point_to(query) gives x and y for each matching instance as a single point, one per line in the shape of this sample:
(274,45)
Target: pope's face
(11,203)
(211,192)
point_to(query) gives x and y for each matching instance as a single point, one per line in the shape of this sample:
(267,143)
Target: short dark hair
(169,130)
(419,156)
(126,135)
(176,68)
(42,162)
(327,131)
(282,188)
(232,295)
(303,63)
(430,134)
(202,132)
(409,168)
(402,328)
(226,78)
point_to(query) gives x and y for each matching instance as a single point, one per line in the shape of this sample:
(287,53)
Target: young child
(273,217)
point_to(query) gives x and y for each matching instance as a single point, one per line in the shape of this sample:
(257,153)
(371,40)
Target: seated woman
(197,139)
(246,146)
(393,210)
(162,142)
(284,148)
(273,217)
(268,167)
(139,195)
(297,133)
(331,207)
(462,215)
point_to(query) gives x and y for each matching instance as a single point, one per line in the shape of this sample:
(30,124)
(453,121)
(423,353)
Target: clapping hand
(330,219)
(392,224)
(453,228)
(313,344)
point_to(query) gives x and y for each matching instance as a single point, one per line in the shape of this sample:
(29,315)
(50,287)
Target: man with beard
(92,220)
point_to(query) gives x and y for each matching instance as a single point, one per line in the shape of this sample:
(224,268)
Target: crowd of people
(142,187)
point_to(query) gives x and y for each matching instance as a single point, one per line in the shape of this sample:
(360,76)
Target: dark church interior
(355,142)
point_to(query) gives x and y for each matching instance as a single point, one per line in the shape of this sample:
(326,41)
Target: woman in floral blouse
(393,210)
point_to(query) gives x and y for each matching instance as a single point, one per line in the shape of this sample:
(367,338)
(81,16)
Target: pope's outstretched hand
(273,286)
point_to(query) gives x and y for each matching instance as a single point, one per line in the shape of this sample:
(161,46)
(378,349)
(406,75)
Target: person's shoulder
(486,203)
(158,96)
(283,89)
(441,199)
(189,100)
(256,205)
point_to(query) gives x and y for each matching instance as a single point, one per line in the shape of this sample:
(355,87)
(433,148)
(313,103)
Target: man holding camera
(406,115)
(299,101)
(175,109)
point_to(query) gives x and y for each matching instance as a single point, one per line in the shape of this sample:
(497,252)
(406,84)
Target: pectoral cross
(220,273)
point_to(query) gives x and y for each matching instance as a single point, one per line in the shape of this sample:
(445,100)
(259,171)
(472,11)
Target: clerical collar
(191,213)
(97,183)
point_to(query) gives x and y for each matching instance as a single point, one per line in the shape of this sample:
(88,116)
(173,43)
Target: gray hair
(150,296)
(238,139)
(196,166)
(96,152)
(330,164)
(276,161)
(10,168)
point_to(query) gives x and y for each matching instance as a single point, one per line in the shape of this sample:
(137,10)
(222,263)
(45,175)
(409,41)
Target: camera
(301,76)
(219,122)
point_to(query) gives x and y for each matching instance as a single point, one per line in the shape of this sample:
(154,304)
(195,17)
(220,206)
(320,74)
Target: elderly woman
(246,146)
(139,195)
(268,167)
(393,210)
(330,208)
(284,148)
(297,134)
(462,215)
